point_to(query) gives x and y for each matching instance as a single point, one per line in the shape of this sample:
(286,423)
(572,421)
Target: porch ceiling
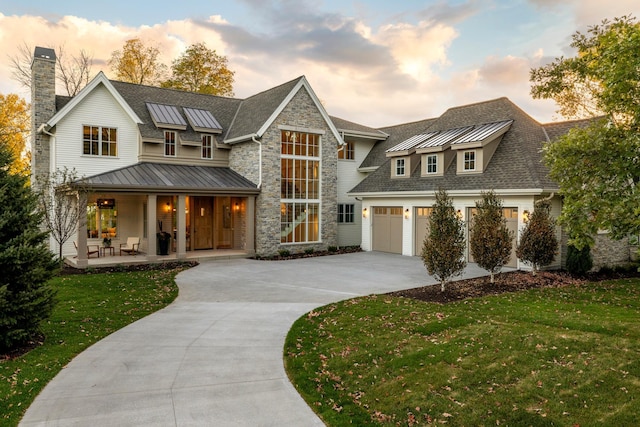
(171,178)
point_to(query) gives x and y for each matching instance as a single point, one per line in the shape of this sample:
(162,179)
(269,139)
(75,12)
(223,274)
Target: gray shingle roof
(350,127)
(161,177)
(516,163)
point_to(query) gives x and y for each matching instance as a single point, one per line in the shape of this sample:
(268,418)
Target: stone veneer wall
(43,107)
(302,113)
(608,252)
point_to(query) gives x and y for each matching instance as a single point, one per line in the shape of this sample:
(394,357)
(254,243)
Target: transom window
(169,144)
(399,167)
(300,187)
(346,213)
(432,163)
(347,152)
(207,146)
(99,141)
(469,160)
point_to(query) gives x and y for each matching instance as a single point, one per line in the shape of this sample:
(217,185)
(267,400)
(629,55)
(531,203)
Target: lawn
(558,356)
(90,307)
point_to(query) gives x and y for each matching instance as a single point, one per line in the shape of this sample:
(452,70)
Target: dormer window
(400,167)
(470,160)
(432,163)
(207,146)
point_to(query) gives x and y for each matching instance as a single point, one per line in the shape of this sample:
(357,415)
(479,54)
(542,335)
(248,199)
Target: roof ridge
(208,95)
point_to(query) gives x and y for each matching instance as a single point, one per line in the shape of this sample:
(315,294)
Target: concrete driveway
(214,356)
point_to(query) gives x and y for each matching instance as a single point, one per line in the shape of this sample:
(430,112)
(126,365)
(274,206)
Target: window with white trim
(432,163)
(346,213)
(169,143)
(300,187)
(347,152)
(207,146)
(399,167)
(99,141)
(469,160)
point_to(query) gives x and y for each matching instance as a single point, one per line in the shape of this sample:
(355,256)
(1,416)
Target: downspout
(253,138)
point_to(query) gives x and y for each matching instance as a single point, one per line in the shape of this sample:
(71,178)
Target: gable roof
(515,165)
(346,127)
(258,112)
(100,79)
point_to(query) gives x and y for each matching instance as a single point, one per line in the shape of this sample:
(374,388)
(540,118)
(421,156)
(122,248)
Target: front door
(203,223)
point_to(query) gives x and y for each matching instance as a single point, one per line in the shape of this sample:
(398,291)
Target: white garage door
(387,229)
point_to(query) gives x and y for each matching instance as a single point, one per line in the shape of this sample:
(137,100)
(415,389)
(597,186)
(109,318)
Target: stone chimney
(43,107)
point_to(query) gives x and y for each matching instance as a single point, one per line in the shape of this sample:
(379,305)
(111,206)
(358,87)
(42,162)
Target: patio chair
(90,251)
(131,247)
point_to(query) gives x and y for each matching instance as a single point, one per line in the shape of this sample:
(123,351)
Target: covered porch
(174,212)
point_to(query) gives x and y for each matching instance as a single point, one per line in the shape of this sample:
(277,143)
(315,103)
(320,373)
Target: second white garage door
(387,229)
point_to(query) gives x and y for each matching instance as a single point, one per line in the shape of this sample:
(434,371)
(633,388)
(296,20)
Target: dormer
(403,156)
(434,152)
(475,148)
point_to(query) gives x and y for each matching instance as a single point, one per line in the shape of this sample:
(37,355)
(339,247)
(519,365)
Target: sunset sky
(375,62)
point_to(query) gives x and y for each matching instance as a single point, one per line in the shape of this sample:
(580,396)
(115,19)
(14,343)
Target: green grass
(89,308)
(548,357)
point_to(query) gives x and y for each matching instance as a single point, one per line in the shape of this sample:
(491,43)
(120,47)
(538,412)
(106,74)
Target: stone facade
(43,107)
(301,113)
(608,252)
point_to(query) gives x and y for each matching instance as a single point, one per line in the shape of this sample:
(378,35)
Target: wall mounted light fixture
(406,213)
(525,216)
(459,214)
(364,213)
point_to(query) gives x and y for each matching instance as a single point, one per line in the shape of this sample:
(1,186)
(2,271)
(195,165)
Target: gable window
(300,187)
(346,213)
(99,141)
(347,152)
(432,163)
(207,146)
(470,160)
(399,167)
(169,144)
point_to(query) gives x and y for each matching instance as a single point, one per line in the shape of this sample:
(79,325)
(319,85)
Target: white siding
(349,177)
(99,108)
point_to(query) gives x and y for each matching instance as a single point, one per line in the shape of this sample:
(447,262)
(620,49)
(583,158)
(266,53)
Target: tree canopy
(138,63)
(597,167)
(200,69)
(15,122)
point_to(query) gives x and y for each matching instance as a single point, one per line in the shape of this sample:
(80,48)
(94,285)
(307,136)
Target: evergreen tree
(538,243)
(443,248)
(25,260)
(579,261)
(490,240)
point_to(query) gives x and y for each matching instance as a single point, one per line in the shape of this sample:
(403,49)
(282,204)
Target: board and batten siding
(99,108)
(349,177)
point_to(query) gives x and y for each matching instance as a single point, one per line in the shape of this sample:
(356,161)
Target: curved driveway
(214,356)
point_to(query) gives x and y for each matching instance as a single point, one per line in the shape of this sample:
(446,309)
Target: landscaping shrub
(579,261)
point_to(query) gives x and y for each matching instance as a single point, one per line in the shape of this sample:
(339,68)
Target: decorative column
(152,208)
(81,232)
(250,217)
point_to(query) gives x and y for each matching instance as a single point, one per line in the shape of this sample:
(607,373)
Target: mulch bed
(512,281)
(170,265)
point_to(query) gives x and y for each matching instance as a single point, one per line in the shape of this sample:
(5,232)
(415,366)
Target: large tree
(25,260)
(72,71)
(200,69)
(490,240)
(597,167)
(138,63)
(444,245)
(15,123)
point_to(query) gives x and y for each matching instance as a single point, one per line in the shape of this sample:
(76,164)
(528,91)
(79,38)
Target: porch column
(250,243)
(81,233)
(181,225)
(152,209)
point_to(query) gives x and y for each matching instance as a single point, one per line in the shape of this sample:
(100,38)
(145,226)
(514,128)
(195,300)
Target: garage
(511,215)
(387,229)
(421,228)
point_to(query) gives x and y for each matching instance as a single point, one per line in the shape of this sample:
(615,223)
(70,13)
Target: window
(169,144)
(347,152)
(399,167)
(346,213)
(102,219)
(469,160)
(99,141)
(300,187)
(432,163)
(207,145)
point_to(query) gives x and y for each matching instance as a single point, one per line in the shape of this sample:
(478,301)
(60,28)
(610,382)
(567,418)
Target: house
(275,172)
(491,145)
(255,175)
